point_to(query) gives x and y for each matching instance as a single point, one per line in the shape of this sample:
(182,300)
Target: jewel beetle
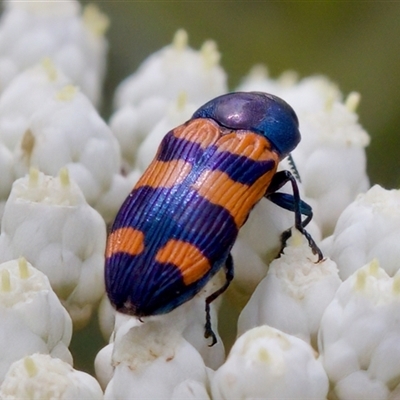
(177,227)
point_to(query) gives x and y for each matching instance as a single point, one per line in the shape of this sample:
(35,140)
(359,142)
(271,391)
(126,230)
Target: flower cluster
(306,329)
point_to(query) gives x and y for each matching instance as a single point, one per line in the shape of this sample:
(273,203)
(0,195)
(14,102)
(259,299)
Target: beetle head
(258,112)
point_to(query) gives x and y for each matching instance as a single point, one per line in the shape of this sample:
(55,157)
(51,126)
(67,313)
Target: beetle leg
(229,276)
(293,168)
(292,203)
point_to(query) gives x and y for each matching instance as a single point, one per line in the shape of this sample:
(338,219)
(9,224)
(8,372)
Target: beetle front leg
(292,203)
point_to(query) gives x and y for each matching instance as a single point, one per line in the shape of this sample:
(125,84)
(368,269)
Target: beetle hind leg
(208,332)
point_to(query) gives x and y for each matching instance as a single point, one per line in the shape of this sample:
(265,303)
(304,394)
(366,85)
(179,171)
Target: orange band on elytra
(165,174)
(192,264)
(202,131)
(247,144)
(125,240)
(238,198)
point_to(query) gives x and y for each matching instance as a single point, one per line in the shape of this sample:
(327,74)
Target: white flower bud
(176,114)
(195,318)
(56,126)
(24,96)
(103,365)
(368,228)
(331,160)
(40,376)
(6,173)
(31,30)
(132,123)
(32,318)
(269,364)
(143,99)
(360,333)
(250,269)
(175,69)
(151,358)
(294,294)
(331,155)
(48,221)
(259,242)
(191,316)
(190,390)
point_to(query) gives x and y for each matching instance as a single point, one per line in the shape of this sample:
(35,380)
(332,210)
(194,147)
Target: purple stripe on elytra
(239,168)
(190,218)
(173,148)
(179,213)
(139,284)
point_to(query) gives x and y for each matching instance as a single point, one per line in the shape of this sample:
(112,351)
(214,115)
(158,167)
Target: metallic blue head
(258,112)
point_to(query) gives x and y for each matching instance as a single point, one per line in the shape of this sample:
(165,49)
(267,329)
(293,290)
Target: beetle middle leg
(292,203)
(229,276)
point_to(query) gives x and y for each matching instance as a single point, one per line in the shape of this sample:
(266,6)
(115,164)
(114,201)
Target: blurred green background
(355,43)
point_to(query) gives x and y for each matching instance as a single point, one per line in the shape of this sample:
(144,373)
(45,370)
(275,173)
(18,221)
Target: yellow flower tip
(361,280)
(33,177)
(263,356)
(27,143)
(96,21)
(23,268)
(297,238)
(259,71)
(210,54)
(64,177)
(330,100)
(5,281)
(30,367)
(396,285)
(373,267)
(181,101)
(180,40)
(352,101)
(289,78)
(49,68)
(67,93)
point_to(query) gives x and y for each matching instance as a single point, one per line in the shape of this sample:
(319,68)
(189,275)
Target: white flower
(359,336)
(48,221)
(103,365)
(177,113)
(331,155)
(331,159)
(26,95)
(195,317)
(32,30)
(144,98)
(40,376)
(190,390)
(131,124)
(191,316)
(259,243)
(7,175)
(294,294)
(49,124)
(269,364)
(175,69)
(151,359)
(32,318)
(368,228)
(55,125)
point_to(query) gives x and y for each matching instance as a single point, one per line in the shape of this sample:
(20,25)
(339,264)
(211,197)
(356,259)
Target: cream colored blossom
(48,221)
(32,318)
